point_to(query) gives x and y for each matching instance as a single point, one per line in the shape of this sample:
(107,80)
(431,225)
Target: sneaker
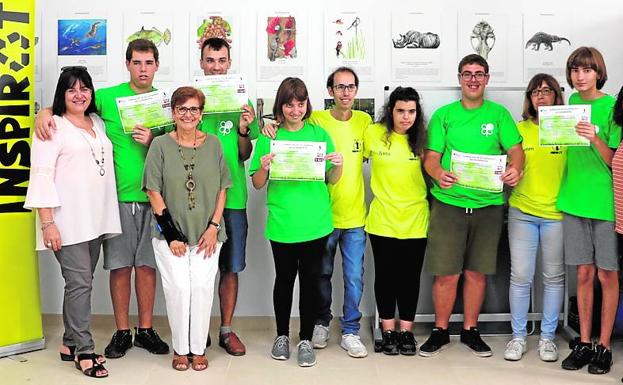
(353,346)
(390,342)
(281,348)
(232,344)
(119,344)
(149,340)
(602,360)
(306,356)
(438,340)
(581,355)
(320,337)
(407,345)
(515,349)
(471,339)
(548,351)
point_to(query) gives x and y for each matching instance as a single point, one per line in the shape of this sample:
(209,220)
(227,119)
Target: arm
(44,124)
(514,170)
(334,174)
(260,177)
(51,235)
(432,165)
(174,237)
(588,130)
(244,141)
(209,237)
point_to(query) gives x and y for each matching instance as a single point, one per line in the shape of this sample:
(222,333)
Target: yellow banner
(20,310)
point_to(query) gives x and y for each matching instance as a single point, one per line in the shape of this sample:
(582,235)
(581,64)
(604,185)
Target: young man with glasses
(235,130)
(132,250)
(465,224)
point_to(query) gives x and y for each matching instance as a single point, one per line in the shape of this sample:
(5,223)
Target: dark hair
(182,94)
(331,77)
(529,112)
(68,78)
(474,59)
(141,45)
(216,43)
(588,57)
(416,135)
(289,89)
(618,109)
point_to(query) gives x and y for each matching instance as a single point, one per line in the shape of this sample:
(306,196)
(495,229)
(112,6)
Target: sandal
(72,357)
(180,362)
(200,362)
(93,370)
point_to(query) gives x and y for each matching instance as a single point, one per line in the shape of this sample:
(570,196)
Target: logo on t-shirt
(356,145)
(487,129)
(225,126)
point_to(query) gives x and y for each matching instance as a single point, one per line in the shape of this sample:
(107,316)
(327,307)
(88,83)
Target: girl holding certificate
(299,213)
(397,221)
(586,198)
(534,223)
(185,178)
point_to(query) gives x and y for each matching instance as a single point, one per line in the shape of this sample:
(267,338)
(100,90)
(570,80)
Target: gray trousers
(77,266)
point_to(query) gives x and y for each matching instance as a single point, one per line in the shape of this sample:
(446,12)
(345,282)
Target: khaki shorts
(463,239)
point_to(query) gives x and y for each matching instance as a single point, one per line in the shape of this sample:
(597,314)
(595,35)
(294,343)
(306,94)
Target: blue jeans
(526,234)
(352,246)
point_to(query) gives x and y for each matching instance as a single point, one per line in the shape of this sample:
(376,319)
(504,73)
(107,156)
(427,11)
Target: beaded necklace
(189,167)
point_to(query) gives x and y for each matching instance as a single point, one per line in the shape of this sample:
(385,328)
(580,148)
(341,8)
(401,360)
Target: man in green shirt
(465,224)
(132,250)
(235,130)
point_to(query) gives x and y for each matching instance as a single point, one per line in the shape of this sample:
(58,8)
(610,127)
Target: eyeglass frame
(185,109)
(472,75)
(343,87)
(545,91)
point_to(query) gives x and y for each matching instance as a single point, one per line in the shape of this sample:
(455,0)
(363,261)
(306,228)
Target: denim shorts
(233,253)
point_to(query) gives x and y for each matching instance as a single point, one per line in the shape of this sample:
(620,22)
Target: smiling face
(142,68)
(215,62)
(294,111)
(187,115)
(584,79)
(473,89)
(344,90)
(404,114)
(544,95)
(77,98)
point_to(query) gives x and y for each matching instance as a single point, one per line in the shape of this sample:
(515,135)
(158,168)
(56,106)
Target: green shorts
(463,239)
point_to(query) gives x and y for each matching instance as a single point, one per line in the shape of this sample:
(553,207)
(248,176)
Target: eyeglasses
(181,110)
(73,68)
(467,76)
(343,87)
(543,91)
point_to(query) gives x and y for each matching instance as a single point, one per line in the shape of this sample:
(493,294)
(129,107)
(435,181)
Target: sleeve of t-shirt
(437,132)
(154,162)
(224,170)
(261,149)
(509,134)
(254,128)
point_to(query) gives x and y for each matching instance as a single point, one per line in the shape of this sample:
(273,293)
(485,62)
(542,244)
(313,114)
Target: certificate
(150,110)
(557,125)
(478,172)
(224,93)
(294,160)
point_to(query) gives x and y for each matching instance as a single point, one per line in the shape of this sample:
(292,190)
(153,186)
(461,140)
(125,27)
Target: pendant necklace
(100,162)
(189,167)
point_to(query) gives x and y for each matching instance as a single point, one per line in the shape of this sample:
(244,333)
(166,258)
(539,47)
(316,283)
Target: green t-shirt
(128,154)
(486,130)
(165,173)
(297,211)
(586,190)
(348,194)
(225,127)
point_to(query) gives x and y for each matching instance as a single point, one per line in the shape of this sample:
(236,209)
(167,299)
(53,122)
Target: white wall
(601,28)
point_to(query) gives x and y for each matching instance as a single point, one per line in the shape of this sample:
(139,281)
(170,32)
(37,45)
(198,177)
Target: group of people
(180,198)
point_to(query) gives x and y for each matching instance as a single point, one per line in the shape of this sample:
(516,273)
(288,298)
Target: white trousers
(188,283)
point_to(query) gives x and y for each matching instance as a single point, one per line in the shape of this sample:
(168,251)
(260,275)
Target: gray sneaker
(281,348)
(306,356)
(548,351)
(320,336)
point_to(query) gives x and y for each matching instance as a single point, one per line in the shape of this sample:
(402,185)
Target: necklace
(99,163)
(189,167)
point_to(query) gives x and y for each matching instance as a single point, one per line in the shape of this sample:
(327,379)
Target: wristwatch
(217,225)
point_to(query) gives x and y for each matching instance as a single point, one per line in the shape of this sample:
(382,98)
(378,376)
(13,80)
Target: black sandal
(72,357)
(92,371)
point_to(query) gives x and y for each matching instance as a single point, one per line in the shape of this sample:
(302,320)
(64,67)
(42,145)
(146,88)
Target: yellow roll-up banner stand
(20,310)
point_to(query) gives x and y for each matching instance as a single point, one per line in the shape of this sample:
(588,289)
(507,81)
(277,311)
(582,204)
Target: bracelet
(243,135)
(46,224)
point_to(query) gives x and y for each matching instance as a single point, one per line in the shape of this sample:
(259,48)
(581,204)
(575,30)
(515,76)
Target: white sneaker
(548,351)
(515,349)
(353,346)
(320,336)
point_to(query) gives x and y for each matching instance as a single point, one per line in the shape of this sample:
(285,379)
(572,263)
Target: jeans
(352,246)
(526,234)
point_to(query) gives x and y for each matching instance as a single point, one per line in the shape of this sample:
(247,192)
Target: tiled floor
(454,366)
